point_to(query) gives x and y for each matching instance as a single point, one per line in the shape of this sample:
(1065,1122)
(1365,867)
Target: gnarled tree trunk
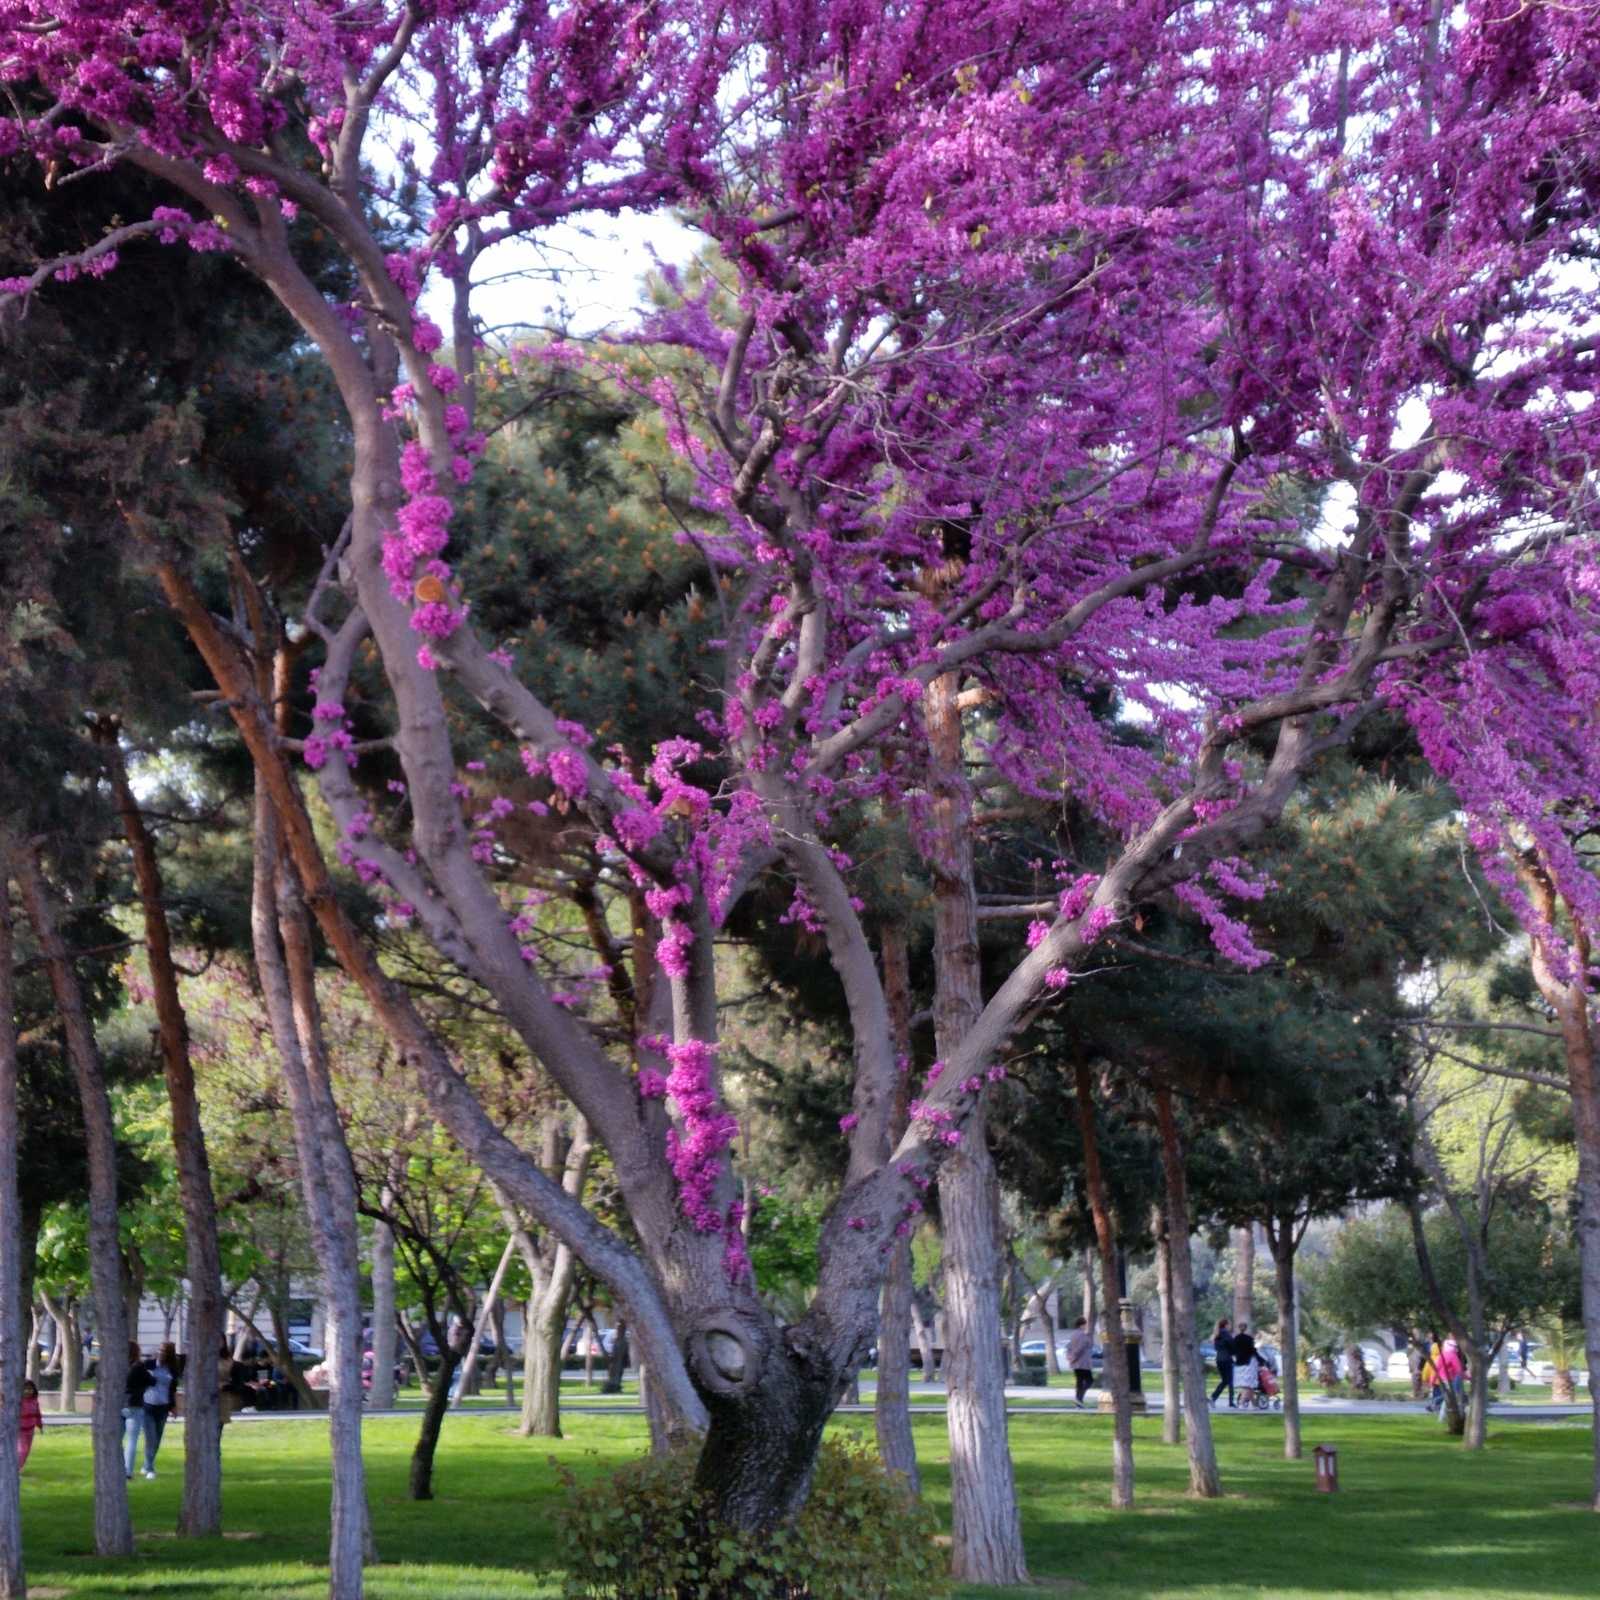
(200,1514)
(113,1525)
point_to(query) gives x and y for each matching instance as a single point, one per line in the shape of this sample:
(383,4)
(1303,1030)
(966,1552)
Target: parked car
(305,1355)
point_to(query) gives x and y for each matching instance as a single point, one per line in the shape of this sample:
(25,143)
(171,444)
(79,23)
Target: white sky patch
(587,279)
(1411,422)
(1338,519)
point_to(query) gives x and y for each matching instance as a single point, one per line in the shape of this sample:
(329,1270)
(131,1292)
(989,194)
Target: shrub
(647,1534)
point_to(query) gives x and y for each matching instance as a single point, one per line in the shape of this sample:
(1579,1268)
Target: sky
(586,280)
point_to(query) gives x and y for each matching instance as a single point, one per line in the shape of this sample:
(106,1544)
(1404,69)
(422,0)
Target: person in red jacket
(31,1421)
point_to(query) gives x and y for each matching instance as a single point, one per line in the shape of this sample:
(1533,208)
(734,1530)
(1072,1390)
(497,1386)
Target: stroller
(1267,1395)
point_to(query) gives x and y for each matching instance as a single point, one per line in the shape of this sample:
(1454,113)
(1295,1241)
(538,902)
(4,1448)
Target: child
(31,1422)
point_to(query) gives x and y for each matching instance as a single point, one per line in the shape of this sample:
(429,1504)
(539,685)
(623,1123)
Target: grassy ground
(1416,1517)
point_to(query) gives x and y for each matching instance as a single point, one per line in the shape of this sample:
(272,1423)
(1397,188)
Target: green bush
(648,1535)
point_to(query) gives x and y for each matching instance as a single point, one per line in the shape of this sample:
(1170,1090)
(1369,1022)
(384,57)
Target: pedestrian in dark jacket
(137,1382)
(1223,1340)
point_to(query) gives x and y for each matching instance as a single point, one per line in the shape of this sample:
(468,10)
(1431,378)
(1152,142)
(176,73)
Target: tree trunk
(552,1267)
(68,1353)
(419,1483)
(1171,1386)
(1475,1430)
(1114,1373)
(617,1362)
(200,1515)
(113,1525)
(1282,1238)
(1047,1323)
(306,1397)
(14,1311)
(1244,1277)
(897,1444)
(326,1177)
(1454,1419)
(542,1339)
(677,1410)
(1090,1309)
(925,1328)
(892,1405)
(1569,999)
(1204,1478)
(986,1530)
(485,1314)
(380,1397)
(30,1366)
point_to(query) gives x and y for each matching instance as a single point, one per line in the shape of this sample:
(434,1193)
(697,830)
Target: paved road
(1022,1403)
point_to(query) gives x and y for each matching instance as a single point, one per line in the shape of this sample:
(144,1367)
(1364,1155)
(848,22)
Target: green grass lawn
(1416,1517)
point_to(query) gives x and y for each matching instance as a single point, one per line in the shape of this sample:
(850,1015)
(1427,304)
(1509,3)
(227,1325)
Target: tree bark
(1039,1311)
(892,1404)
(677,1410)
(68,1353)
(1455,1421)
(552,1267)
(380,1396)
(200,1514)
(1244,1277)
(1470,1337)
(113,1524)
(617,1361)
(419,1481)
(1115,1370)
(14,1311)
(1171,1385)
(986,1530)
(1566,992)
(925,1326)
(1283,1237)
(1204,1478)
(485,1314)
(285,982)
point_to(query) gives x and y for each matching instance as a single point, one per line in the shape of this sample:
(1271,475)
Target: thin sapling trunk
(1115,1370)
(113,1524)
(1204,1478)
(14,1318)
(200,1514)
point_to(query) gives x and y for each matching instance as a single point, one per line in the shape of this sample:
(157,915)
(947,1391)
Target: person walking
(1246,1365)
(157,1401)
(1450,1371)
(1222,1340)
(28,1423)
(1080,1356)
(133,1406)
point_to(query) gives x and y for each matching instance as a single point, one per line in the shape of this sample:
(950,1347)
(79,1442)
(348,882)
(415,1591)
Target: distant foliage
(648,1535)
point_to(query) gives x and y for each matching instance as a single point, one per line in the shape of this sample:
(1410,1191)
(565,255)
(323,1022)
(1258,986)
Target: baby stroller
(1264,1393)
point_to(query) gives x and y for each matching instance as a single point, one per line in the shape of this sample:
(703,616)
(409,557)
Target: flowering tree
(1055,335)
